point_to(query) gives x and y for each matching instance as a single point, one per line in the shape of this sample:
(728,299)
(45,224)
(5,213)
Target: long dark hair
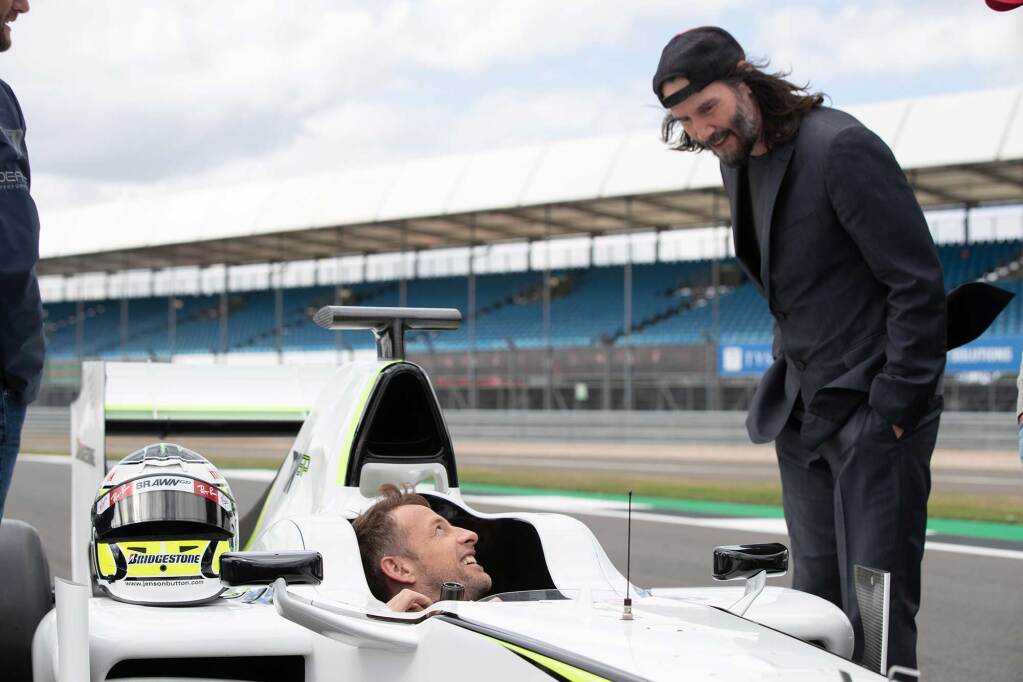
(782,106)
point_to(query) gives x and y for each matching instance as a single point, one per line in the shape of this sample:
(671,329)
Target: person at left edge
(22,348)
(1019,410)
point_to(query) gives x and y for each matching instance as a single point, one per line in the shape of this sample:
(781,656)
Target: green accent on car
(141,412)
(259,520)
(567,671)
(354,419)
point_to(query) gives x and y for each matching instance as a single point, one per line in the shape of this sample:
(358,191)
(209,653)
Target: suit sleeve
(876,206)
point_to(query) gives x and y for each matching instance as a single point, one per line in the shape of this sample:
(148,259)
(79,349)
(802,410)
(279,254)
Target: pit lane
(968,621)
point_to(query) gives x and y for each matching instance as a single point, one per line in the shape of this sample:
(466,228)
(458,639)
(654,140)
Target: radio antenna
(627,606)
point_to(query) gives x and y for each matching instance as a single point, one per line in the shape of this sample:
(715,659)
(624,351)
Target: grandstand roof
(602,185)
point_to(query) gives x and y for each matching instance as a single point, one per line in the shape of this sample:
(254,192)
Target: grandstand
(617,328)
(669,308)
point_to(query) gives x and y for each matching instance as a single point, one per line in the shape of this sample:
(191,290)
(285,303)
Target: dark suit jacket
(852,277)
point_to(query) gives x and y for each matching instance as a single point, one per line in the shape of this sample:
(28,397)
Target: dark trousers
(12,416)
(860,498)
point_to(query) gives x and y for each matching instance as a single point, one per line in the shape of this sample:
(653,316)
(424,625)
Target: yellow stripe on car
(569,672)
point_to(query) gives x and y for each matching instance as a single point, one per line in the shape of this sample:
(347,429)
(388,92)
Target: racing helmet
(161,520)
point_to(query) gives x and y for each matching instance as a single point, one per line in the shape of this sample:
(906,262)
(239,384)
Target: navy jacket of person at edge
(22,348)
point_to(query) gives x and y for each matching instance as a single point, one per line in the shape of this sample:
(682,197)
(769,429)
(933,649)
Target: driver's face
(442,552)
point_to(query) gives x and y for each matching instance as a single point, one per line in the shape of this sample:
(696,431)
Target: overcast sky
(137,96)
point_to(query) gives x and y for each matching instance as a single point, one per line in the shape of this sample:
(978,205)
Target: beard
(476,583)
(745,128)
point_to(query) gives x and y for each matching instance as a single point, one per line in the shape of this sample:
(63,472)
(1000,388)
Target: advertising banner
(984,355)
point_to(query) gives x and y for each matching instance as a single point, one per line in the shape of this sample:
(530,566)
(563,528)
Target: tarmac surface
(968,623)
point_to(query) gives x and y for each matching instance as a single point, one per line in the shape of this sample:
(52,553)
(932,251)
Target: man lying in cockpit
(408,551)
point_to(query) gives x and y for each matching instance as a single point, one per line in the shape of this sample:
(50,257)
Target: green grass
(942,505)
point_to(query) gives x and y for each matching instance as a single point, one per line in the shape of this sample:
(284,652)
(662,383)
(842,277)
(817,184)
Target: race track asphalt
(969,620)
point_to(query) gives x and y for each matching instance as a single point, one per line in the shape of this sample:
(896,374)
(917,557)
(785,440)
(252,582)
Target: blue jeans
(1021,444)
(12,417)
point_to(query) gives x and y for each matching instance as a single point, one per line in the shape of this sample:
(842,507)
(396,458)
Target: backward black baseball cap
(702,55)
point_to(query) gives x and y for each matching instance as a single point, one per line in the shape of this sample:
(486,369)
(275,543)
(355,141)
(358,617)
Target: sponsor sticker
(135,582)
(135,559)
(179,483)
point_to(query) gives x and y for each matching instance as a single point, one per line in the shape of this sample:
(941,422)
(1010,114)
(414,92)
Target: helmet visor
(162,505)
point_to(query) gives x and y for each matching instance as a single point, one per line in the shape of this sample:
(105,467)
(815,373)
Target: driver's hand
(409,600)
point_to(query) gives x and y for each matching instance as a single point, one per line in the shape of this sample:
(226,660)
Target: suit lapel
(779,164)
(732,179)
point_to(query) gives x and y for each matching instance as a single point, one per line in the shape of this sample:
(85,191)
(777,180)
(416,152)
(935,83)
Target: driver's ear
(399,569)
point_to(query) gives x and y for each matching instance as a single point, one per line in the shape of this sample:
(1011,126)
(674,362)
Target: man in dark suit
(21,315)
(826,227)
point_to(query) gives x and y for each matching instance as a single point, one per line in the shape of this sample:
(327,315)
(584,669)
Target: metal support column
(471,315)
(278,269)
(80,312)
(627,312)
(548,359)
(714,389)
(80,326)
(608,355)
(123,326)
(714,338)
(172,324)
(224,329)
(339,290)
(402,277)
(967,215)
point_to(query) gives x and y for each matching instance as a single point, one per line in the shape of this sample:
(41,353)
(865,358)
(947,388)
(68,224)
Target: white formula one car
(300,609)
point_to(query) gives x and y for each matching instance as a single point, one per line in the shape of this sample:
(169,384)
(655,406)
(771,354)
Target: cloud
(131,97)
(883,38)
(161,92)
(514,117)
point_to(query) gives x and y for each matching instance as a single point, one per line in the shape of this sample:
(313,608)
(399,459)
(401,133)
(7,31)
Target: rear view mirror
(744,561)
(752,563)
(263,568)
